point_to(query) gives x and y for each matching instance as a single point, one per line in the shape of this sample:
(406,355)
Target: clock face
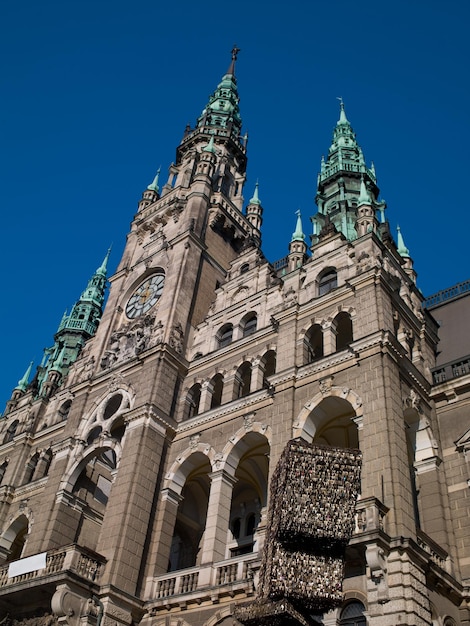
(145,296)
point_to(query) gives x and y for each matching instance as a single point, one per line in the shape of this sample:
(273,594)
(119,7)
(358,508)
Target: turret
(254,213)
(151,194)
(405,255)
(344,184)
(20,389)
(297,246)
(73,331)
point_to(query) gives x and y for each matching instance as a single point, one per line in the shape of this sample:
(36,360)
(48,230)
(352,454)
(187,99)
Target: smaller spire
(298,234)
(23,382)
(402,249)
(210,146)
(154,184)
(342,113)
(364,197)
(103,268)
(255,199)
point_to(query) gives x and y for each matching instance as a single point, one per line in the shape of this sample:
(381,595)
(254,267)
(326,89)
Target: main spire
(344,182)
(222,111)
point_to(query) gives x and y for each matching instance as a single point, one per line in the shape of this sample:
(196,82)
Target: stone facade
(142,476)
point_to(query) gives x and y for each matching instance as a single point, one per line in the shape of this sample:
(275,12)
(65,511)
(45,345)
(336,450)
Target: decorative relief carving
(176,338)
(325,385)
(131,340)
(194,441)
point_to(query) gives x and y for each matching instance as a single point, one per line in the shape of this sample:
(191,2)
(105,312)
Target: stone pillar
(218,517)
(257,375)
(127,519)
(329,340)
(207,389)
(228,393)
(164,529)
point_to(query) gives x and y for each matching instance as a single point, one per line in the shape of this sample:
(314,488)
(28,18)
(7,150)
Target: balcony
(237,577)
(71,559)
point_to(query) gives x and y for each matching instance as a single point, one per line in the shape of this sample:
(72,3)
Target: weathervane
(235,52)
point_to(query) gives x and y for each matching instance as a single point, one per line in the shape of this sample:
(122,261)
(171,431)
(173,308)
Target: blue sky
(96,95)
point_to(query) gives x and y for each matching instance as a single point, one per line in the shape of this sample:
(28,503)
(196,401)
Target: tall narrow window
(328,280)
(249,324)
(225,335)
(217,389)
(344,330)
(313,343)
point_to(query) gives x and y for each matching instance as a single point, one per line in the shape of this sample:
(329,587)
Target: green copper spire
(222,112)
(76,328)
(402,249)
(210,146)
(23,382)
(298,234)
(255,199)
(364,197)
(154,184)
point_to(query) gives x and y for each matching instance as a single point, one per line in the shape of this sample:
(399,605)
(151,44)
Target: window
(244,268)
(353,614)
(243,380)
(11,431)
(65,410)
(194,398)
(249,324)
(327,281)
(344,330)
(113,406)
(225,335)
(269,362)
(217,389)
(313,343)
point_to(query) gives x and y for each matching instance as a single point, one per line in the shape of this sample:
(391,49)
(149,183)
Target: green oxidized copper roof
(298,234)
(344,154)
(222,110)
(255,199)
(154,184)
(364,196)
(24,381)
(402,249)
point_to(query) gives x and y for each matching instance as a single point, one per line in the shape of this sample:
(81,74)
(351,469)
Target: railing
(451,370)
(447,294)
(237,573)
(71,558)
(435,552)
(281,264)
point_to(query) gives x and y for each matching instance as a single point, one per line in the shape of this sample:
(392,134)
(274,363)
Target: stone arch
(313,417)
(13,539)
(184,464)
(99,445)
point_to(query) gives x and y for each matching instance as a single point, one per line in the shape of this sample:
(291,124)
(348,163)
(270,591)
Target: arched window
(269,362)
(65,410)
(217,389)
(327,281)
(249,324)
(11,431)
(344,330)
(244,268)
(30,467)
(3,469)
(225,335)
(353,614)
(194,398)
(243,380)
(313,344)
(112,406)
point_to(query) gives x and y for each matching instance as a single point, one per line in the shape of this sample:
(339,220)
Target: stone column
(218,517)
(257,375)
(206,396)
(329,340)
(164,529)
(128,513)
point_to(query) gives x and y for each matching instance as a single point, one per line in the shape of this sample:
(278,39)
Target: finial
(402,249)
(342,115)
(235,51)
(23,382)
(154,184)
(255,199)
(298,234)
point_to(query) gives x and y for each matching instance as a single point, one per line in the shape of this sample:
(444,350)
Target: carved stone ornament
(176,338)
(325,385)
(130,340)
(194,441)
(413,401)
